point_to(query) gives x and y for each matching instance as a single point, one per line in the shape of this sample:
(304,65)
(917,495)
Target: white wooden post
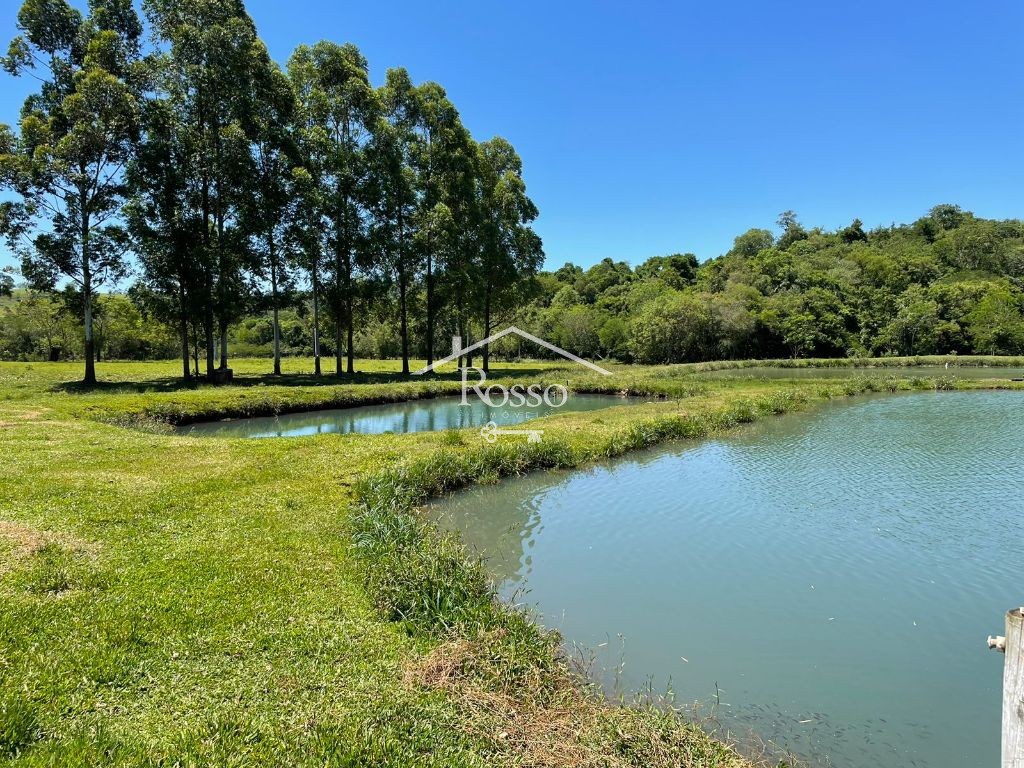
(1013,688)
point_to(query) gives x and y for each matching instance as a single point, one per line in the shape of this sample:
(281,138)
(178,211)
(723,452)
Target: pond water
(410,416)
(824,581)
(908,372)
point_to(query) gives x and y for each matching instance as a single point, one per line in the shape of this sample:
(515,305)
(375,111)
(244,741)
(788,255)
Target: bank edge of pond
(159,412)
(480,649)
(880,363)
(223,404)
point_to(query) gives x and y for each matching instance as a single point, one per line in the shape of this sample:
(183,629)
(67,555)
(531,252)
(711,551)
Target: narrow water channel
(822,581)
(410,416)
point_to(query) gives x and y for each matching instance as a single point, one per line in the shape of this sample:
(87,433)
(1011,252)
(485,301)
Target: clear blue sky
(653,127)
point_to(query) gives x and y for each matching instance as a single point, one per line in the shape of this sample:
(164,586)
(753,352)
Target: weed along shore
(181,600)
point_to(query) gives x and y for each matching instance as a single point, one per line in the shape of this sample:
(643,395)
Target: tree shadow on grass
(241,381)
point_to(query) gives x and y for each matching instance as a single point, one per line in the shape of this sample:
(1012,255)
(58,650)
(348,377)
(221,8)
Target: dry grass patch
(20,543)
(22,539)
(23,415)
(558,720)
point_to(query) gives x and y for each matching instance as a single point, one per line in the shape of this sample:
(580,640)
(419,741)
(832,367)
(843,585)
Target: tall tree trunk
(223,321)
(223,267)
(339,299)
(90,355)
(403,301)
(403,290)
(316,321)
(339,327)
(90,360)
(273,294)
(463,359)
(350,360)
(350,367)
(430,308)
(208,332)
(183,317)
(195,347)
(207,269)
(487,328)
(207,280)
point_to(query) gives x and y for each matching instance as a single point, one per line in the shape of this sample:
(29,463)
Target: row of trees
(948,283)
(233,181)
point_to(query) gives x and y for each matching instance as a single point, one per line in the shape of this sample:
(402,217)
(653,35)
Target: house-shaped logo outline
(458,351)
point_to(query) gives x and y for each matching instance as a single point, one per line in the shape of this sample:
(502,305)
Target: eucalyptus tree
(342,107)
(66,163)
(510,252)
(392,191)
(212,62)
(166,229)
(445,165)
(307,220)
(306,242)
(268,207)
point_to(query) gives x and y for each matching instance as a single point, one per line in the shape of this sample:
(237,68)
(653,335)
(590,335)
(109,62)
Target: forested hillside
(948,283)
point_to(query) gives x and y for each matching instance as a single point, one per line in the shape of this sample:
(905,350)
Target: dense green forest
(948,283)
(172,191)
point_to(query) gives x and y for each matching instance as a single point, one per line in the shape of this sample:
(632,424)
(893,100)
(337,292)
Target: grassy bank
(180,601)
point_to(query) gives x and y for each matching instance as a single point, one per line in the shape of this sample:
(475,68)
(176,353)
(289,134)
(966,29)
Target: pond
(410,416)
(906,372)
(824,581)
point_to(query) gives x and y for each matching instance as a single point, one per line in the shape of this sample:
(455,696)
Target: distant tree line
(948,283)
(237,187)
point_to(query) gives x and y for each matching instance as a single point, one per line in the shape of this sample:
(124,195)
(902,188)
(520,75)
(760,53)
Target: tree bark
(339,326)
(195,348)
(183,317)
(350,361)
(207,283)
(403,301)
(208,332)
(274,300)
(339,289)
(90,360)
(316,321)
(430,309)
(402,297)
(207,271)
(223,321)
(487,328)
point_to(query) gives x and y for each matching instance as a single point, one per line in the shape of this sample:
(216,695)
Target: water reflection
(411,416)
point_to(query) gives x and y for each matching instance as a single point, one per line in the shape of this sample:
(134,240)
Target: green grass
(172,601)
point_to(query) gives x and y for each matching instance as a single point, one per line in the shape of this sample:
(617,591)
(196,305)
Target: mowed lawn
(172,600)
(175,599)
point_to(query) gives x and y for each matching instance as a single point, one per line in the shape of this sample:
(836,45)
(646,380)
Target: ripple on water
(840,567)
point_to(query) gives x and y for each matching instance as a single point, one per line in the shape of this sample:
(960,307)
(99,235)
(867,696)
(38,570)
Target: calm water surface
(412,416)
(833,575)
(907,372)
